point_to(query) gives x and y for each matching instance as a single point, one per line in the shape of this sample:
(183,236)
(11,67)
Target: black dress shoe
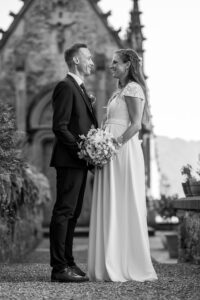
(67,275)
(77,270)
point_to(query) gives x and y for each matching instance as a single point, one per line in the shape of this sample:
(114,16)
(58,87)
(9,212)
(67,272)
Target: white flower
(97,147)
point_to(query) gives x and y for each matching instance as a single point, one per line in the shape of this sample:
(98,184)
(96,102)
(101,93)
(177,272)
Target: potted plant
(186,171)
(166,210)
(191,185)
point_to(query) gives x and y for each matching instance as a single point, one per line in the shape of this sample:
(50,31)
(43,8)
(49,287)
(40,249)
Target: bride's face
(119,68)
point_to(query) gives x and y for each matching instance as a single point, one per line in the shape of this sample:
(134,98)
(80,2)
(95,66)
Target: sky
(171,58)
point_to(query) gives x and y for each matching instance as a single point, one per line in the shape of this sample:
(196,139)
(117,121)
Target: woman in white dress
(118,239)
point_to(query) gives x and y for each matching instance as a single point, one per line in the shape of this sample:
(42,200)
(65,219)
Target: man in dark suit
(73,115)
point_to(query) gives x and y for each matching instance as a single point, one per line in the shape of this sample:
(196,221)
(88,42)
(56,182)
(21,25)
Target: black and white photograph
(99,150)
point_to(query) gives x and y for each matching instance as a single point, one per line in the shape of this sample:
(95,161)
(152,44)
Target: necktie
(84,89)
(86,94)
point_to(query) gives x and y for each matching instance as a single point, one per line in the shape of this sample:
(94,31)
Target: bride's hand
(120,140)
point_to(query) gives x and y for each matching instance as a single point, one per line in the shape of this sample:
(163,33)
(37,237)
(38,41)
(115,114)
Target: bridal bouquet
(97,147)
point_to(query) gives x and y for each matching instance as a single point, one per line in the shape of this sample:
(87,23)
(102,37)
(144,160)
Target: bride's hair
(136,74)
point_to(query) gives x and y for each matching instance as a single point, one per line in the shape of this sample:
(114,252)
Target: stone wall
(21,207)
(188,212)
(32,61)
(39,39)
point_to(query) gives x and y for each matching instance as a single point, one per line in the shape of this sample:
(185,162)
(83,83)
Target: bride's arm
(135,107)
(105,117)
(103,120)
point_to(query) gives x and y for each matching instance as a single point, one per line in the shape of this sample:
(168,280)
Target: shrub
(10,162)
(165,207)
(11,165)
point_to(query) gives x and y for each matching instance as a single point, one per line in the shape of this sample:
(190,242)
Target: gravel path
(30,280)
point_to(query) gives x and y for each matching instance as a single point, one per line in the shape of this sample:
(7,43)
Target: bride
(118,239)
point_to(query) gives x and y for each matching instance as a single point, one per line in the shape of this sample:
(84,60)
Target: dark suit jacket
(72,116)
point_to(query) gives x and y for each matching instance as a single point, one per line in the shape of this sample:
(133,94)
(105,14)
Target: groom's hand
(92,171)
(91,168)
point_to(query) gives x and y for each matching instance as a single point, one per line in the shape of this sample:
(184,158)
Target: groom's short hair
(72,51)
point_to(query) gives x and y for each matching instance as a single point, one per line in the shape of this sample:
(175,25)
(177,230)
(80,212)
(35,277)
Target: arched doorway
(39,124)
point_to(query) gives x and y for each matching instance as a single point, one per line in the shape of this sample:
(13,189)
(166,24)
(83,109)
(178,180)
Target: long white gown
(118,238)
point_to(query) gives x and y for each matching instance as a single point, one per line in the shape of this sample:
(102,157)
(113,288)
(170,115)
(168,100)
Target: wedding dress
(118,239)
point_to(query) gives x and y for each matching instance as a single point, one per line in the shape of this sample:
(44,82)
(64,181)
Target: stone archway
(41,140)
(39,124)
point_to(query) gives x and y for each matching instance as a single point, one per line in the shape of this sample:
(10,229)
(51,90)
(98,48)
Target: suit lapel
(86,100)
(81,91)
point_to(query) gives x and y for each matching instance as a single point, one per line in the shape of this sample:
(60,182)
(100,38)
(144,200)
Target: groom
(73,115)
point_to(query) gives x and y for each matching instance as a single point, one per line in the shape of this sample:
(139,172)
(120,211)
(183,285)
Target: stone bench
(188,212)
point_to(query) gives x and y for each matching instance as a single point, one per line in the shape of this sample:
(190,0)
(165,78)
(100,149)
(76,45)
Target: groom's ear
(76,60)
(128,63)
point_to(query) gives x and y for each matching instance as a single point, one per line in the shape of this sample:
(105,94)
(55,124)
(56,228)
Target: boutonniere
(92,99)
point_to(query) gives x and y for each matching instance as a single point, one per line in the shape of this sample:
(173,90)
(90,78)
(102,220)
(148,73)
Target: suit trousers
(70,192)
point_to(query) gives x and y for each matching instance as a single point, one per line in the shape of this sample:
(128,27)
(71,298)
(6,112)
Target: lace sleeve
(134,90)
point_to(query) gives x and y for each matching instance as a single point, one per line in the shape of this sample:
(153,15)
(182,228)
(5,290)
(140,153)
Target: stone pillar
(100,62)
(188,212)
(146,151)
(20,88)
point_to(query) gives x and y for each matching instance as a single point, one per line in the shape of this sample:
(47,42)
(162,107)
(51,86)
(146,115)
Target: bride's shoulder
(133,85)
(133,89)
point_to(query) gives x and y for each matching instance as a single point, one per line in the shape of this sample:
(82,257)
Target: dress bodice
(117,109)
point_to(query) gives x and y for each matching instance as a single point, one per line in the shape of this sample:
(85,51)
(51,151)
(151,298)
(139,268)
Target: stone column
(100,88)
(146,151)
(20,90)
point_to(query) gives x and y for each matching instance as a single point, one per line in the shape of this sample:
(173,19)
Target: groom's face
(85,65)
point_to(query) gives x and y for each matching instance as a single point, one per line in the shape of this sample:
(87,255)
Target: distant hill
(172,155)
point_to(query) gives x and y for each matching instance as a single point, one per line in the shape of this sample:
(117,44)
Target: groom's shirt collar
(76,77)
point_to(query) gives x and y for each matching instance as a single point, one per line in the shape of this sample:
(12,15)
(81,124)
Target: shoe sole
(63,281)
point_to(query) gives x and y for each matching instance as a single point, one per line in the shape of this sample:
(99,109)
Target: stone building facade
(31,63)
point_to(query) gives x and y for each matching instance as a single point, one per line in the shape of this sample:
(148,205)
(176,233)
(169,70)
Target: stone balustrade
(188,212)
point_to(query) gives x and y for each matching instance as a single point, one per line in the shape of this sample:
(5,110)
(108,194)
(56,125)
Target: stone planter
(186,189)
(191,188)
(172,244)
(166,226)
(188,212)
(195,189)
(22,235)
(22,197)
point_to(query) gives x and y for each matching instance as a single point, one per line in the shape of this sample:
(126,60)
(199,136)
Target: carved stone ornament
(61,18)
(61,3)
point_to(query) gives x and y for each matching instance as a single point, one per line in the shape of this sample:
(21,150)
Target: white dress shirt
(76,77)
